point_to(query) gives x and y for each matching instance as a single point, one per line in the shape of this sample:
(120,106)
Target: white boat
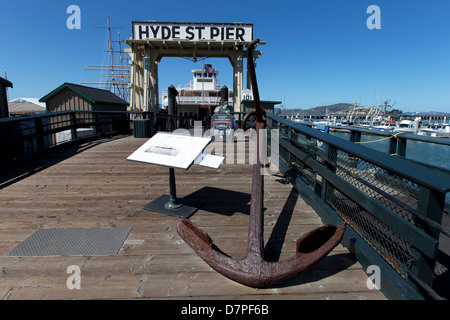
(389,125)
(407,125)
(202,96)
(436,130)
(302,120)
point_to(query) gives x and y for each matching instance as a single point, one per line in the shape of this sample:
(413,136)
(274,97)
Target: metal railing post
(392,148)
(355,136)
(73,122)
(401,146)
(39,134)
(430,205)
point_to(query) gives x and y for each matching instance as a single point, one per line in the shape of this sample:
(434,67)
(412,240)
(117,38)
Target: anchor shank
(255,245)
(252,75)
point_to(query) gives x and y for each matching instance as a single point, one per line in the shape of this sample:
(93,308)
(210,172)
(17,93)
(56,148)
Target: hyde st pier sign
(150,30)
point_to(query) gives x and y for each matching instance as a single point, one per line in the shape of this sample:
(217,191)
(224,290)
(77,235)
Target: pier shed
(70,97)
(89,103)
(268,106)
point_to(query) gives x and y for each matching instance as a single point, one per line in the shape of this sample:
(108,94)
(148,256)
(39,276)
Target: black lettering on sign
(230,33)
(240,32)
(143,32)
(155,31)
(165,32)
(214,32)
(200,29)
(176,32)
(190,35)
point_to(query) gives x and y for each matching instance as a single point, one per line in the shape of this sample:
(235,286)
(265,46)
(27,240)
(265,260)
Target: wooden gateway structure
(151,41)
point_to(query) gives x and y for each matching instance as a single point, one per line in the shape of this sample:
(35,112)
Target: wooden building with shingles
(71,97)
(84,100)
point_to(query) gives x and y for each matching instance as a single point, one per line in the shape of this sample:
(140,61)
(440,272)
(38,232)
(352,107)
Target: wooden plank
(97,187)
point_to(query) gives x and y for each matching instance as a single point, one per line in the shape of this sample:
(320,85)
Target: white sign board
(192,31)
(170,150)
(209,160)
(247,94)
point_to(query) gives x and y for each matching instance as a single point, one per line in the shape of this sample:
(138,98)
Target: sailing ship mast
(117,75)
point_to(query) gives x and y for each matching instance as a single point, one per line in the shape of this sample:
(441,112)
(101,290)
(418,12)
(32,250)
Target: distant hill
(342,107)
(321,110)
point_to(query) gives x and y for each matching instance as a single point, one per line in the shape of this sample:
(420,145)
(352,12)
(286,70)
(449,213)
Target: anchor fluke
(253,270)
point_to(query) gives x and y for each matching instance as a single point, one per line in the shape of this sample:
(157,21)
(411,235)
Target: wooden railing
(27,137)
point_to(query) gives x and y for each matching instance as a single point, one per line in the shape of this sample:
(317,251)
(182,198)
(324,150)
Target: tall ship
(202,96)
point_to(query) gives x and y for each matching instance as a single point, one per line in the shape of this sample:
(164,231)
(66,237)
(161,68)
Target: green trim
(262,101)
(59,89)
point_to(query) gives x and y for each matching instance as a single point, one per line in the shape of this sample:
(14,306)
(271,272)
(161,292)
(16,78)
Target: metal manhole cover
(72,242)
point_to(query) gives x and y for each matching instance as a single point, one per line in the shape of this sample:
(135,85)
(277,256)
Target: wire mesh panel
(382,238)
(398,194)
(393,192)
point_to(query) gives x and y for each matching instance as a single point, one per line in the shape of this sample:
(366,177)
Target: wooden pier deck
(94,186)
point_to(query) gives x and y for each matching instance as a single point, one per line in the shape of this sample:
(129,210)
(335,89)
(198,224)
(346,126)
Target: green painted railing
(23,138)
(393,207)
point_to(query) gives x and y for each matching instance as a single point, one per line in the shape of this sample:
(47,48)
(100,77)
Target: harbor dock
(92,185)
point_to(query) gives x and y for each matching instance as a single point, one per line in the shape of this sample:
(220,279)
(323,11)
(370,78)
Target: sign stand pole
(173,202)
(171,205)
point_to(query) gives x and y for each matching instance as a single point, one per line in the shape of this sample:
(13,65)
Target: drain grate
(72,242)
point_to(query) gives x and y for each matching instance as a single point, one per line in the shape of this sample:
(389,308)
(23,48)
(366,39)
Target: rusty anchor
(253,270)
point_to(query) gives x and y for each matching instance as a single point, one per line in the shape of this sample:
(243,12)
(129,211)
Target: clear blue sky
(318,52)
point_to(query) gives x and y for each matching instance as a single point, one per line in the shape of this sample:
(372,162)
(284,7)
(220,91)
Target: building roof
(94,95)
(24,108)
(28,100)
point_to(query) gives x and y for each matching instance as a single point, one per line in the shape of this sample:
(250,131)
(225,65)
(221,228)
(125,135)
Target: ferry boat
(202,96)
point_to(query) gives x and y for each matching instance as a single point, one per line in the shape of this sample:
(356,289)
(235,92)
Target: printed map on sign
(170,150)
